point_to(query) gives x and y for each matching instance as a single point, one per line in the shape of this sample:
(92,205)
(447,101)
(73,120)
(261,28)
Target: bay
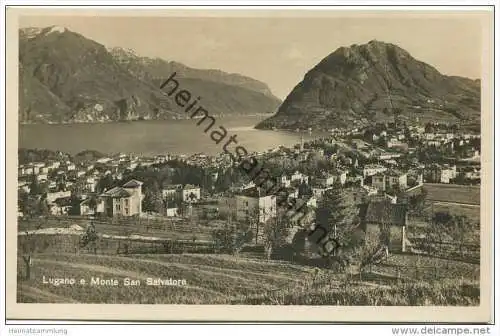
(153,137)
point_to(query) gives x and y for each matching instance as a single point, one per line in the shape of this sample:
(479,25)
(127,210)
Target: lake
(154,137)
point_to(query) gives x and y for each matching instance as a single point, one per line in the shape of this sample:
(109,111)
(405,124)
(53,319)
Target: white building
(298,176)
(42,177)
(448,173)
(171,191)
(250,201)
(104,160)
(372,169)
(340,177)
(325,180)
(54,165)
(52,196)
(284,181)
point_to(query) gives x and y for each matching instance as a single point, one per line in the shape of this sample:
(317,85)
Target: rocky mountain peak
(32,32)
(367,82)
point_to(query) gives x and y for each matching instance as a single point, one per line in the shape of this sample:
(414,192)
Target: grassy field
(221,279)
(453,193)
(473,213)
(214,279)
(427,267)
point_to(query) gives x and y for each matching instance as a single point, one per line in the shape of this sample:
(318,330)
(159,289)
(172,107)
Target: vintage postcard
(249,164)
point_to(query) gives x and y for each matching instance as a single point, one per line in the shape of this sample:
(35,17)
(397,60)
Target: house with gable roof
(123,201)
(384,217)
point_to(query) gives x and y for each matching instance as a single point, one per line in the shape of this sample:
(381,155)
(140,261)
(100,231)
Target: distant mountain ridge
(66,77)
(151,69)
(362,84)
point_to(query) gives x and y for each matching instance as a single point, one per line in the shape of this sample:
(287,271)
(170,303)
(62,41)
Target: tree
(224,181)
(275,234)
(336,221)
(437,230)
(105,183)
(232,237)
(43,208)
(35,187)
(153,200)
(29,248)
(448,228)
(253,221)
(299,242)
(31,208)
(23,200)
(89,237)
(417,202)
(372,252)
(93,204)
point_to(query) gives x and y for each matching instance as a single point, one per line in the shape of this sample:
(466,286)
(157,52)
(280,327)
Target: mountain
(360,84)
(66,77)
(158,69)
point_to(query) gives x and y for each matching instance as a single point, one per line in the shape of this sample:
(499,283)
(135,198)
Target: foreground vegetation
(225,279)
(405,294)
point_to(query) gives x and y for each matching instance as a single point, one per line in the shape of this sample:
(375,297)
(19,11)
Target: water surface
(154,137)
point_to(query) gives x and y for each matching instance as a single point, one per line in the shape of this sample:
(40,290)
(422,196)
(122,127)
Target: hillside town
(382,162)
(218,159)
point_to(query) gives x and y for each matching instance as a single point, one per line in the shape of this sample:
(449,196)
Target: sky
(279,50)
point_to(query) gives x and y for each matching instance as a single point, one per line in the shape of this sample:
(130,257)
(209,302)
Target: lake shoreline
(151,137)
(92,122)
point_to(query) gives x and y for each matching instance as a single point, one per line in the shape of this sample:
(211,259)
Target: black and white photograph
(246,158)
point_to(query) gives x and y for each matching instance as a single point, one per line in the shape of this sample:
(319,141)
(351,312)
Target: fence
(162,228)
(70,243)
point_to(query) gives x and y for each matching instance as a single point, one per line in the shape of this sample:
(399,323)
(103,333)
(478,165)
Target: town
(386,160)
(389,178)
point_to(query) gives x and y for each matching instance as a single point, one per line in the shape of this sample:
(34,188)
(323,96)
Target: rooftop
(372,166)
(253,192)
(132,184)
(63,201)
(172,186)
(116,192)
(384,211)
(394,172)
